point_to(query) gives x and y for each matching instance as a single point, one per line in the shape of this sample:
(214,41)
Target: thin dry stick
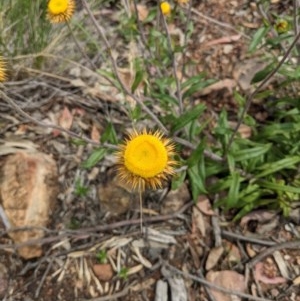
(250,98)
(115,296)
(241,237)
(88,232)
(213,286)
(143,37)
(115,69)
(188,20)
(46,125)
(174,64)
(295,244)
(219,23)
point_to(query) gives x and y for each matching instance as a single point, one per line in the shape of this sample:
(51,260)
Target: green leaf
(262,74)
(257,38)
(250,153)
(197,184)
(137,80)
(197,87)
(246,209)
(189,116)
(273,167)
(192,80)
(97,155)
(279,187)
(233,194)
(109,135)
(178,180)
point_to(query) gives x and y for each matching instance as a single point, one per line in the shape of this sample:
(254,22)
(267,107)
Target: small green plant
(74,224)
(80,189)
(123,273)
(102,256)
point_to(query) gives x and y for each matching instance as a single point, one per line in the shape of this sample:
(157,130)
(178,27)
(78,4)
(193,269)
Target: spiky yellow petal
(60,10)
(145,160)
(3,70)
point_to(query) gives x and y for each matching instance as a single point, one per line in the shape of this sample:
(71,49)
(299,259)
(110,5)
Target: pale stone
(28,191)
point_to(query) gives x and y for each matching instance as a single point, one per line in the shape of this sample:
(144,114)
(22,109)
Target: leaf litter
(184,238)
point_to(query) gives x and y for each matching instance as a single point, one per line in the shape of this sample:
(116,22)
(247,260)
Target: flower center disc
(145,156)
(58,6)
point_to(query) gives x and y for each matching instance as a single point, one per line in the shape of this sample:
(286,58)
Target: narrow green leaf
(178,180)
(192,80)
(257,38)
(197,87)
(250,153)
(246,209)
(109,135)
(94,158)
(262,74)
(137,80)
(273,167)
(197,184)
(233,194)
(189,116)
(279,187)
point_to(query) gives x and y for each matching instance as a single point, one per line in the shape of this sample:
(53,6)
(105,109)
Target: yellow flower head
(165,8)
(145,160)
(3,71)
(282,26)
(60,10)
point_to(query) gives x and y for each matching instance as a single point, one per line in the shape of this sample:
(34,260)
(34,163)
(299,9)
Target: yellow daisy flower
(165,8)
(60,10)
(145,160)
(3,71)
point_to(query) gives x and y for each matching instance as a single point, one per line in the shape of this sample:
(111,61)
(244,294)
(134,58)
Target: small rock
(103,272)
(28,190)
(115,198)
(175,200)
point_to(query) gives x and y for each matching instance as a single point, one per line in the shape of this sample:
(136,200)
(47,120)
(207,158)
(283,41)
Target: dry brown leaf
(229,280)
(198,220)
(259,275)
(213,257)
(296,281)
(77,83)
(95,134)
(244,130)
(223,40)
(251,253)
(261,216)
(28,191)
(65,119)
(226,83)
(103,272)
(143,12)
(204,205)
(234,254)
